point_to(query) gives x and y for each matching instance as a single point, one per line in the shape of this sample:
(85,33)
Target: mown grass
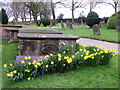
(83,77)
(84,31)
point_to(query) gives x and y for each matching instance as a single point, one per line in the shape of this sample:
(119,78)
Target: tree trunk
(73,16)
(115,8)
(52,8)
(35,16)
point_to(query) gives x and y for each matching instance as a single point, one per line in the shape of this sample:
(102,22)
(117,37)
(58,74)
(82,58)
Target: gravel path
(107,45)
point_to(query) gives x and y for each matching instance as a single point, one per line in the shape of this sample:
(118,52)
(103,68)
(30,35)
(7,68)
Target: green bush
(112,20)
(3,17)
(61,62)
(92,18)
(46,21)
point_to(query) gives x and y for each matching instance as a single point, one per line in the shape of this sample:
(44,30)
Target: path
(107,45)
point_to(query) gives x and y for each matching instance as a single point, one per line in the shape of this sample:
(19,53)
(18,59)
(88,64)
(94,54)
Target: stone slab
(46,36)
(23,30)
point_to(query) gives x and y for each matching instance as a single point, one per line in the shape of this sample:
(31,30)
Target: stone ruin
(38,43)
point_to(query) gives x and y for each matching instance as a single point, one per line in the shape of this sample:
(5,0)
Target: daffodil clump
(68,58)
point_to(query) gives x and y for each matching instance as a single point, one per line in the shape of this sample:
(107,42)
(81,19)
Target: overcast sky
(102,10)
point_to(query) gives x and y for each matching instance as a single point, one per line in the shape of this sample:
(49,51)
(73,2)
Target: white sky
(102,10)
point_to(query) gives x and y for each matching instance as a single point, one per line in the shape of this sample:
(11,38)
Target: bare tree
(73,5)
(113,3)
(53,5)
(94,3)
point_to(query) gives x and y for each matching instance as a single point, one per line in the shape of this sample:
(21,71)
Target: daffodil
(59,55)
(64,52)
(10,74)
(51,54)
(92,57)
(5,65)
(63,64)
(47,56)
(29,78)
(11,65)
(64,43)
(52,62)
(34,62)
(102,56)
(22,62)
(29,57)
(26,58)
(27,70)
(36,66)
(71,45)
(29,63)
(59,59)
(15,71)
(80,49)
(81,55)
(73,56)
(66,57)
(40,60)
(46,66)
(69,60)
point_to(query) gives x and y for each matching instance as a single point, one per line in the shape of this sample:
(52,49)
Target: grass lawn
(85,31)
(83,77)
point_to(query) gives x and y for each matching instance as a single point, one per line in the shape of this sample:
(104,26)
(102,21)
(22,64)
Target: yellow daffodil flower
(71,45)
(26,58)
(80,49)
(92,57)
(52,62)
(46,66)
(64,52)
(22,62)
(5,65)
(64,43)
(47,56)
(59,55)
(11,65)
(15,71)
(73,56)
(36,66)
(69,60)
(29,78)
(66,57)
(51,54)
(29,63)
(34,62)
(29,57)
(59,59)
(63,64)
(81,55)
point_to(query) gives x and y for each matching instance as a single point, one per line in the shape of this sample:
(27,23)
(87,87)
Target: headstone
(70,26)
(62,25)
(53,22)
(67,24)
(96,29)
(118,26)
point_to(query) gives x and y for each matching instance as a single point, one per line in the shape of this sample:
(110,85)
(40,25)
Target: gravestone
(96,29)
(70,25)
(10,32)
(62,25)
(67,24)
(118,26)
(36,43)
